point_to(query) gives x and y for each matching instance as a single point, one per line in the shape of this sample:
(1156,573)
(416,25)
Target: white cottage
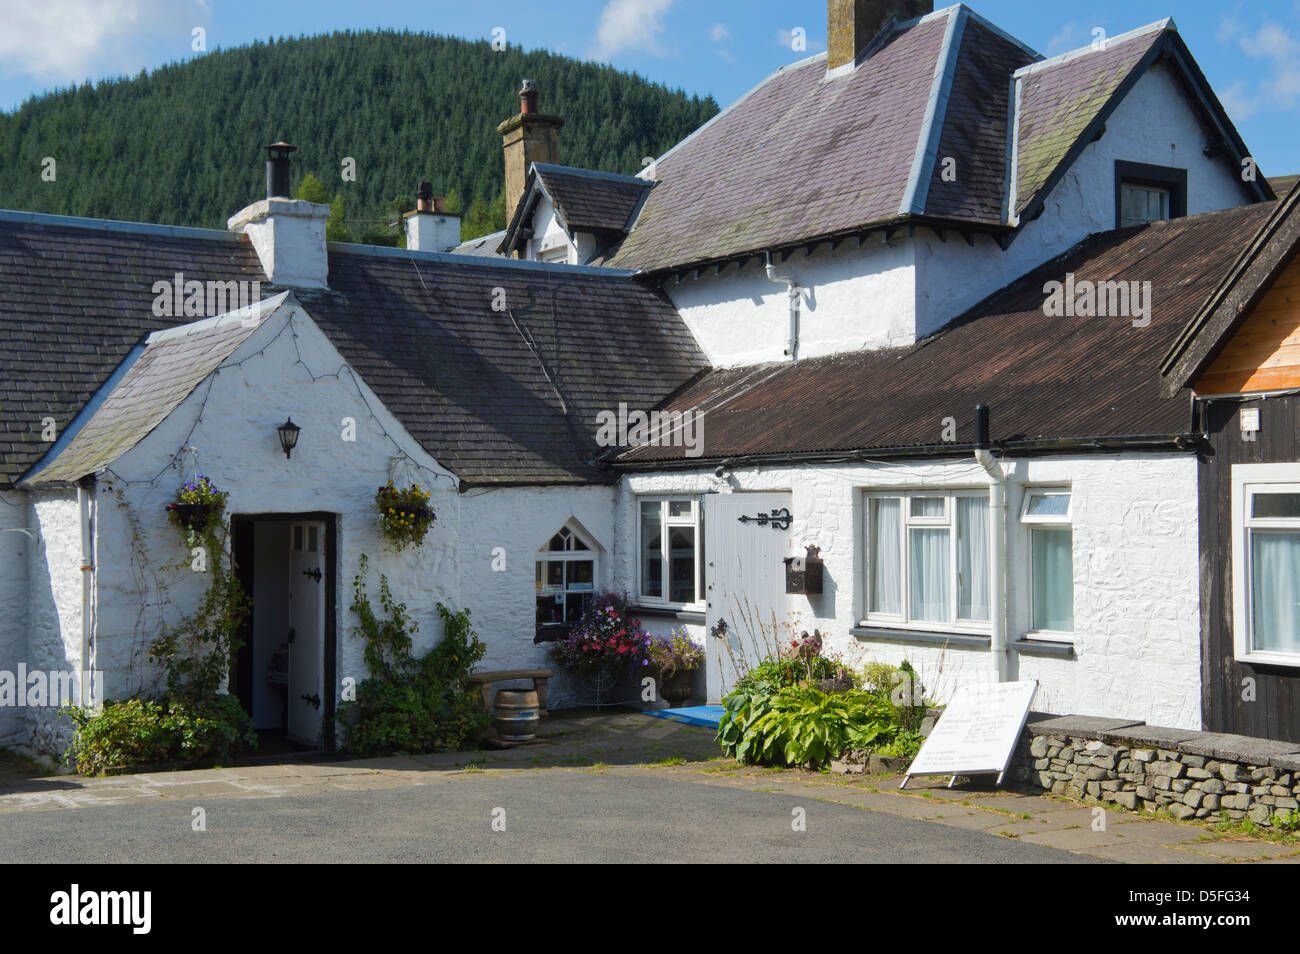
(817,288)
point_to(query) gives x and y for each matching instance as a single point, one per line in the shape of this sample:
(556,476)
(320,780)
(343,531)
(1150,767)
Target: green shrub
(799,725)
(137,732)
(411,704)
(774,673)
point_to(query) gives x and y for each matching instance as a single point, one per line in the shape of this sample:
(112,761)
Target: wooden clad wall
(1264,354)
(1274,713)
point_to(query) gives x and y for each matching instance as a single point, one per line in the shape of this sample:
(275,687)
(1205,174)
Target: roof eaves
(927,145)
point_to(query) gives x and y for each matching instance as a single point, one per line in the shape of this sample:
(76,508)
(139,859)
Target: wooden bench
(538,676)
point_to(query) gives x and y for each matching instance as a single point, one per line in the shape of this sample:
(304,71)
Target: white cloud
(1276,46)
(64,41)
(630,25)
(720,33)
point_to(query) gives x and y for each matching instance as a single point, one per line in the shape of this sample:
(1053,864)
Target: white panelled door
(744,582)
(306,630)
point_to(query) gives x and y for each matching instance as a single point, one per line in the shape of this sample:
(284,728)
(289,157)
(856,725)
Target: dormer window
(1145,193)
(558,254)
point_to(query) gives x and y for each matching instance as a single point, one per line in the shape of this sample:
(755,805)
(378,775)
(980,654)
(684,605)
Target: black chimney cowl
(277,170)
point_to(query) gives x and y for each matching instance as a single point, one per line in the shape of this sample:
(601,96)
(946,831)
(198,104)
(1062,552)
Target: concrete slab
(1148,854)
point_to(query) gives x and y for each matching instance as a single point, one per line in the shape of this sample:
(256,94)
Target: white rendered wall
(881,296)
(15,511)
(1135,567)
(502,603)
(144,579)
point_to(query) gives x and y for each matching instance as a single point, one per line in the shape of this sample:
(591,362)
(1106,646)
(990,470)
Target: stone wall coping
(1136,734)
(1149,736)
(1077,725)
(1239,748)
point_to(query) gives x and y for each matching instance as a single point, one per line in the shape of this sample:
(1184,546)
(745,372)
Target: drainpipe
(86,505)
(997,544)
(792,342)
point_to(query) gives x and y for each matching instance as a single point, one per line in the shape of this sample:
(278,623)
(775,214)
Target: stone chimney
(287,234)
(527,138)
(431,228)
(852,24)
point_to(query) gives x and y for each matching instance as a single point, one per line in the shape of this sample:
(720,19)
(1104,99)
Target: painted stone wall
(15,511)
(145,579)
(1136,634)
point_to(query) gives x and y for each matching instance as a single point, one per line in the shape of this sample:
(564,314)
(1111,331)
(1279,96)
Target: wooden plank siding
(1264,353)
(1275,712)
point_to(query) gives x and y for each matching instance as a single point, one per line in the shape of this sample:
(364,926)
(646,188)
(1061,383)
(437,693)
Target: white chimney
(431,228)
(288,234)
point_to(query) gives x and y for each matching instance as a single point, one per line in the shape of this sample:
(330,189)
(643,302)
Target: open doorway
(284,673)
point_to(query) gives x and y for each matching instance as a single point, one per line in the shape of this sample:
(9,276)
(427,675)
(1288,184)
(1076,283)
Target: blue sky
(1249,51)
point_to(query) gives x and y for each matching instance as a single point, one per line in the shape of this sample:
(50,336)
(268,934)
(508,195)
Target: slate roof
(76,297)
(589,201)
(1045,379)
(167,369)
(805,157)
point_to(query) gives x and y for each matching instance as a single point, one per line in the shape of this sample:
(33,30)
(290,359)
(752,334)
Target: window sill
(684,614)
(1043,647)
(1286,660)
(920,636)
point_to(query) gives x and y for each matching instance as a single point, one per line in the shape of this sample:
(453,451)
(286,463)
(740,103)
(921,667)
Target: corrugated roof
(1044,378)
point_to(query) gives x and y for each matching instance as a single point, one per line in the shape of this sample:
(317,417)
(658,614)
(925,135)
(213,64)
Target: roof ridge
(115,225)
(553,167)
(1159,26)
(917,188)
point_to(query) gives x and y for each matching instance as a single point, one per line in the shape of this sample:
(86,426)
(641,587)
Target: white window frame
(1166,193)
(1046,522)
(948,521)
(1246,480)
(695,521)
(592,554)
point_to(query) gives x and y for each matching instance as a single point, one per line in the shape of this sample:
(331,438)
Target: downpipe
(792,290)
(998,644)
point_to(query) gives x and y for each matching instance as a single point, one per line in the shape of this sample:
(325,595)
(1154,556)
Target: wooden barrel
(515,715)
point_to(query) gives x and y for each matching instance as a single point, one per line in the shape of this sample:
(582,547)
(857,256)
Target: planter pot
(193,516)
(675,687)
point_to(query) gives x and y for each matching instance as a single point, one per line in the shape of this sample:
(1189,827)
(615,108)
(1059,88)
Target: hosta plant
(799,725)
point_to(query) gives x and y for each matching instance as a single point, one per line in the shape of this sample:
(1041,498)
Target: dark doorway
(292,703)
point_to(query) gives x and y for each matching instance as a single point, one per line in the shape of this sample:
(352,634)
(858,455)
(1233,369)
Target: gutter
(1103,444)
(997,545)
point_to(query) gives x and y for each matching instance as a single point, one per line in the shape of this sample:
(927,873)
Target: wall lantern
(288,432)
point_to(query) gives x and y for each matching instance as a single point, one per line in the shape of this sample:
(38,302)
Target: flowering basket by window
(604,638)
(198,506)
(675,652)
(404,514)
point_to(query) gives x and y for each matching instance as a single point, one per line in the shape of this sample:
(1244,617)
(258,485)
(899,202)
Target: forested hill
(183,145)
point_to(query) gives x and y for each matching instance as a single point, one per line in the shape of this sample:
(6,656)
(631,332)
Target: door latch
(314,699)
(314,573)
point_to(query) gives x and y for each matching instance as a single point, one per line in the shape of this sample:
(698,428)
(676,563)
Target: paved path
(605,787)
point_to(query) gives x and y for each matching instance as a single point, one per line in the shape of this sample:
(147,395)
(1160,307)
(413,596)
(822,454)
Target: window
(1266,563)
(555,253)
(566,575)
(1146,193)
(1046,513)
(670,547)
(928,558)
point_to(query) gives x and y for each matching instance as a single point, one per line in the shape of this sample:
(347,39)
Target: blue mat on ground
(707,716)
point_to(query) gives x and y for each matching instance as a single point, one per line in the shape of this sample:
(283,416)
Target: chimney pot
(277,169)
(424,201)
(528,97)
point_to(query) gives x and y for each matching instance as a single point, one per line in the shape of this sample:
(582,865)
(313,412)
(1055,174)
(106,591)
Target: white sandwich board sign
(977,732)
